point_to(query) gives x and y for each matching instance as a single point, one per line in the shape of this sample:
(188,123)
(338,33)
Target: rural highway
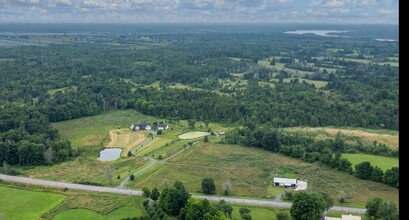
(269,203)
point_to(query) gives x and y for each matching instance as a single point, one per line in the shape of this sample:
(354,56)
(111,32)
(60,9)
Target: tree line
(26,138)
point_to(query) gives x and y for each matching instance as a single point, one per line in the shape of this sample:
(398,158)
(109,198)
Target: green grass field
(86,168)
(251,170)
(351,135)
(85,214)
(382,162)
(94,130)
(258,212)
(23,204)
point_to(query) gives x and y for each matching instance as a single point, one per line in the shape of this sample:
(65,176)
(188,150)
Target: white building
(284,182)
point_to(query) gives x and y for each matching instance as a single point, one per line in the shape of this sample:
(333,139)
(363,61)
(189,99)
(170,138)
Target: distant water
(110,154)
(390,40)
(324,33)
(17,43)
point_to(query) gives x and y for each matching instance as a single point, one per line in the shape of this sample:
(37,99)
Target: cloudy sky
(203,11)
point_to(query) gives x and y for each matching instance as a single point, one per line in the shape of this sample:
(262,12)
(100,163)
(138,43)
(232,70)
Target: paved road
(47,183)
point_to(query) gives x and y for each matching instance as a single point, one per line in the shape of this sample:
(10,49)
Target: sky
(200,11)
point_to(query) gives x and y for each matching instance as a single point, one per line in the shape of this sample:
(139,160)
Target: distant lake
(17,43)
(324,33)
(110,154)
(390,40)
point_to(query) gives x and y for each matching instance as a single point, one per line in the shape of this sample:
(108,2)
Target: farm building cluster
(147,126)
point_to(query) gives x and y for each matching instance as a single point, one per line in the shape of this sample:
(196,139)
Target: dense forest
(214,75)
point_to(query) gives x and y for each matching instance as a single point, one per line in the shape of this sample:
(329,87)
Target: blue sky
(201,11)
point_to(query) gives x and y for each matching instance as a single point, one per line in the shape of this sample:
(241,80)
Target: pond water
(325,33)
(109,154)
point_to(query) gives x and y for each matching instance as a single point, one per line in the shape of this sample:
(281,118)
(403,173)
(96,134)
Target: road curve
(47,183)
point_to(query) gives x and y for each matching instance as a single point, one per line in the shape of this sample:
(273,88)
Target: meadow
(86,169)
(51,203)
(94,130)
(382,162)
(250,172)
(351,135)
(85,214)
(19,204)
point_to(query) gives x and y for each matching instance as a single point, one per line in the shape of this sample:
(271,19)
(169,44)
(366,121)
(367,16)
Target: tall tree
(208,185)
(307,206)
(363,170)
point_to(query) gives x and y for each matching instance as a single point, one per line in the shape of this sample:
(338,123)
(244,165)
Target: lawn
(85,214)
(258,212)
(382,162)
(351,135)
(23,204)
(251,170)
(193,134)
(94,130)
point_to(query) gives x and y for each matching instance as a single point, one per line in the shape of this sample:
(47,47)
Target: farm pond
(109,154)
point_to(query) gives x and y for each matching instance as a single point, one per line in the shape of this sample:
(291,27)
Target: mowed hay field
(126,139)
(17,204)
(66,204)
(367,136)
(382,162)
(250,172)
(193,134)
(94,130)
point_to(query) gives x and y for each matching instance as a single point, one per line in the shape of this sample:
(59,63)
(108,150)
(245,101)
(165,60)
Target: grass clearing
(251,171)
(63,90)
(317,83)
(258,212)
(23,204)
(367,136)
(382,162)
(94,130)
(235,59)
(85,214)
(334,50)
(193,135)
(86,168)
(153,145)
(394,64)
